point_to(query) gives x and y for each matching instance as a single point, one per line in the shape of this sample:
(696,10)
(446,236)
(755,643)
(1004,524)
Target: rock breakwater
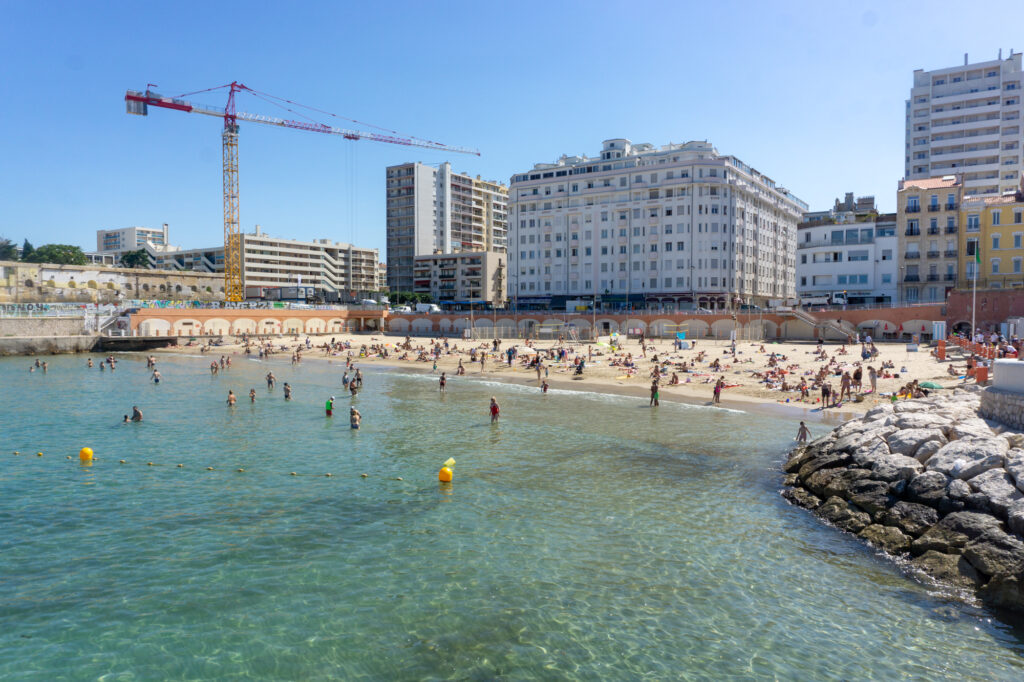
(929,480)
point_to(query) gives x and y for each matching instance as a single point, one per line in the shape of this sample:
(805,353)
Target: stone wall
(42,326)
(50,345)
(49,283)
(1006,407)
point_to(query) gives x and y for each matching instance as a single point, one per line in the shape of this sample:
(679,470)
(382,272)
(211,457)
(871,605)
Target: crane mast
(138,103)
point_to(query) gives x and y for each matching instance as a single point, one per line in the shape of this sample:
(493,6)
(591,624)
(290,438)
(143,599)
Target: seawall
(46,345)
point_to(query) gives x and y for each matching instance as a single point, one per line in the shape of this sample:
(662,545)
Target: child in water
(354,417)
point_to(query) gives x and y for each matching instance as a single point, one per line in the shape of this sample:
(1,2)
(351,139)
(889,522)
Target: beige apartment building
(470,277)
(275,262)
(927,225)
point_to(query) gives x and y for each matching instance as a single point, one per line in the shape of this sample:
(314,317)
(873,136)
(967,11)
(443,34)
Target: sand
(746,390)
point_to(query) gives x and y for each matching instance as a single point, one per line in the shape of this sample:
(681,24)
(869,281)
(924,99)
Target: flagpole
(974,303)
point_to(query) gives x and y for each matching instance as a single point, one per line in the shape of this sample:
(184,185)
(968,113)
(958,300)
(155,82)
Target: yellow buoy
(16,452)
(39,454)
(209,468)
(241,470)
(149,464)
(85,454)
(445,475)
(328,475)
(180,465)
(121,461)
(293,474)
(364,475)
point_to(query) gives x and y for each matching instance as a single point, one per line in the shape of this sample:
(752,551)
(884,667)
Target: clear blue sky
(811,93)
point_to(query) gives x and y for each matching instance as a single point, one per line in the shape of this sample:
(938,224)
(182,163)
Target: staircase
(842,328)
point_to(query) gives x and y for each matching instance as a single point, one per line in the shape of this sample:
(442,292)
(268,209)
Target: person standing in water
(90,363)
(654,394)
(231,397)
(287,391)
(252,395)
(271,381)
(156,376)
(443,382)
(802,433)
(329,406)
(354,418)
(136,414)
(495,410)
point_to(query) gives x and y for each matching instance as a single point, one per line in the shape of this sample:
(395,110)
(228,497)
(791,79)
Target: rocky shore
(929,480)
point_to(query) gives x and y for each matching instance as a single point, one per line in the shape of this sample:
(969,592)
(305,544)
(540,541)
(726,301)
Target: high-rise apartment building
(435,210)
(927,224)
(966,120)
(675,227)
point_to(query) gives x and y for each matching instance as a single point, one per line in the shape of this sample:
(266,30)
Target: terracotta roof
(932,183)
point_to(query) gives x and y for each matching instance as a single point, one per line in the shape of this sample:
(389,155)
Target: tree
(60,254)
(135,259)
(8,251)
(26,250)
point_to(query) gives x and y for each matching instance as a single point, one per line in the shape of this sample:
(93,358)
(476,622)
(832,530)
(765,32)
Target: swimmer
(271,381)
(136,414)
(329,406)
(156,376)
(89,365)
(354,417)
(44,368)
(443,382)
(102,366)
(231,398)
(287,391)
(544,386)
(494,409)
(252,395)
(126,420)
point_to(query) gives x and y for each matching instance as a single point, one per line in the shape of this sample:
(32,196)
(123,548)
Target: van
(427,308)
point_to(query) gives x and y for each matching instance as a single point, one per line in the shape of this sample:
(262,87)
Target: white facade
(675,226)
(966,120)
(858,259)
(273,262)
(119,242)
(467,277)
(436,210)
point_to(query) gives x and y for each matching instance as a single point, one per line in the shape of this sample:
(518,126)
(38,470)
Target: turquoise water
(583,538)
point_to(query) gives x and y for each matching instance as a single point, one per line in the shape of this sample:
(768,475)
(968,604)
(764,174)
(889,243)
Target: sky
(810,93)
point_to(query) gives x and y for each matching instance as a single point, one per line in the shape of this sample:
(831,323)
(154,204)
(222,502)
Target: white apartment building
(432,210)
(858,259)
(118,242)
(462,278)
(966,120)
(671,227)
(274,262)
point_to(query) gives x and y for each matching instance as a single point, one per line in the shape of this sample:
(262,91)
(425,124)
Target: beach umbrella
(929,384)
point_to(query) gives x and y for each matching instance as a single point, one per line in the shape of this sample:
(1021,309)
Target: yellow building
(995,227)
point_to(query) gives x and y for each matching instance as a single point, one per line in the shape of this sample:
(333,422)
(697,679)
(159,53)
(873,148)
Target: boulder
(858,439)
(853,426)
(1015,439)
(829,460)
(1015,467)
(871,453)
(926,450)
(907,441)
(896,468)
(843,515)
(801,498)
(958,490)
(970,428)
(1015,517)
(790,480)
(839,485)
(890,539)
(911,406)
(954,531)
(949,568)
(797,458)
(877,413)
(871,496)
(927,488)
(817,481)
(910,517)
(998,487)
(1006,591)
(995,553)
(965,459)
(920,421)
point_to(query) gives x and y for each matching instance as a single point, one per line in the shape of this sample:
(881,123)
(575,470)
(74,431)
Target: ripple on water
(582,538)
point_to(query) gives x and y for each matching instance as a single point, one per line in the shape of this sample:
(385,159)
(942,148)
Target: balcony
(913,209)
(911,278)
(933,278)
(934,254)
(912,255)
(934,230)
(950,253)
(950,229)
(913,232)
(952,207)
(932,208)
(949,277)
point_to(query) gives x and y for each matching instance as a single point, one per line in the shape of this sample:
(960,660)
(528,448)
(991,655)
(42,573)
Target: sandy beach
(744,373)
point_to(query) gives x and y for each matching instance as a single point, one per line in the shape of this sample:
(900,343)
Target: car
(401,309)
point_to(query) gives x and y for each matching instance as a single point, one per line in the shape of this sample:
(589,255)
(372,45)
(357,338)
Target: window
(995,217)
(887,279)
(973,222)
(995,241)
(995,266)
(1017,240)
(861,254)
(886,254)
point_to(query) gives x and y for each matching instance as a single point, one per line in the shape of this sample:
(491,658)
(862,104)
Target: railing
(912,255)
(934,230)
(950,229)
(911,278)
(950,253)
(932,208)
(934,254)
(933,278)
(913,232)
(913,209)
(952,207)
(949,277)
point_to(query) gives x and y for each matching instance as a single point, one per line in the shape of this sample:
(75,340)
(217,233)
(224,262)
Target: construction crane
(138,103)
